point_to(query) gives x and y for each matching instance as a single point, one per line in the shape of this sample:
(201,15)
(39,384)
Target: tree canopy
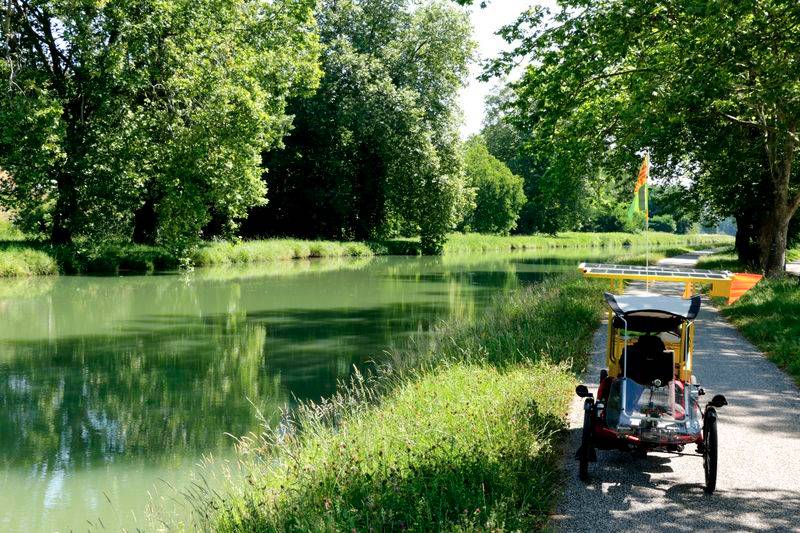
(375,152)
(148,117)
(708,87)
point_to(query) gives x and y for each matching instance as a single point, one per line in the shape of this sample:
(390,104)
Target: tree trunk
(780,147)
(63,215)
(144,223)
(746,243)
(775,254)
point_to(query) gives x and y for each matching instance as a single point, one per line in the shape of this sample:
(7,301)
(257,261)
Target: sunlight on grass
(459,431)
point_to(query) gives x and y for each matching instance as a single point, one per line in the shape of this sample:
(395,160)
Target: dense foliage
(709,88)
(499,194)
(375,152)
(145,119)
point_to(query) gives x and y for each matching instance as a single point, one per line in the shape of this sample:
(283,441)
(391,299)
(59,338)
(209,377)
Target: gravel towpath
(758,485)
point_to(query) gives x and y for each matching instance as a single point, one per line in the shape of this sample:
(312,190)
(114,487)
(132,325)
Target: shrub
(663,223)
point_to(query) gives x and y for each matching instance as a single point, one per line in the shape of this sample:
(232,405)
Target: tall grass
(222,252)
(472,242)
(18,261)
(457,432)
(23,258)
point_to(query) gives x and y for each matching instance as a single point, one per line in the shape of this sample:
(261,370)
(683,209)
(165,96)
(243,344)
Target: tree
(609,79)
(375,152)
(499,194)
(150,114)
(555,201)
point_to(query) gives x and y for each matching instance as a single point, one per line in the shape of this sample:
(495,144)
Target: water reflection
(107,384)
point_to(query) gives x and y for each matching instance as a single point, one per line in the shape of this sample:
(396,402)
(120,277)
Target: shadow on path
(758,486)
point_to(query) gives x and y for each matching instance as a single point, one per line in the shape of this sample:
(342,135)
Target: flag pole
(647,228)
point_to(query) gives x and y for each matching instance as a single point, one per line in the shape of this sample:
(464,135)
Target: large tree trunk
(780,148)
(775,251)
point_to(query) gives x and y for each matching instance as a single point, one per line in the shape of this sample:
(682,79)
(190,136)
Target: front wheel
(710,447)
(585,451)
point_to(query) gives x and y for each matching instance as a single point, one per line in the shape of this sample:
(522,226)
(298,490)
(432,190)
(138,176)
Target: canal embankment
(459,431)
(20,256)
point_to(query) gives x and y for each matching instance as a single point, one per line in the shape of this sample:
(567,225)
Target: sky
(486,22)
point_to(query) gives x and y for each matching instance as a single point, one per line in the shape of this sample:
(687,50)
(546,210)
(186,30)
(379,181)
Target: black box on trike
(647,398)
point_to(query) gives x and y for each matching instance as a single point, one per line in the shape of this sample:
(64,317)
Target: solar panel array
(665,272)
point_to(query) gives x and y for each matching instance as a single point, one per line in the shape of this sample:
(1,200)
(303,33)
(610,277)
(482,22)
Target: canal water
(114,389)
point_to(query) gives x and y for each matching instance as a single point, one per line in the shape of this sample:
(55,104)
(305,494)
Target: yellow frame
(719,287)
(683,348)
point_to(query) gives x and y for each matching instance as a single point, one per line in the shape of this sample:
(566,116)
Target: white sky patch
(486,22)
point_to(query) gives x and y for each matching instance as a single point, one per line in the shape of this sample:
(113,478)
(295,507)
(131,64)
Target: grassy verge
(19,257)
(654,257)
(459,433)
(20,260)
(474,242)
(768,314)
(276,249)
(222,253)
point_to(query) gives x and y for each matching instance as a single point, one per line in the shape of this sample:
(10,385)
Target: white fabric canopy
(653,302)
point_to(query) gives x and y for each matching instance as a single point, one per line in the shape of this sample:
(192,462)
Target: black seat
(648,360)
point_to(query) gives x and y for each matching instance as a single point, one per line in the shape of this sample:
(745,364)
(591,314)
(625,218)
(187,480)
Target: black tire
(584,454)
(710,448)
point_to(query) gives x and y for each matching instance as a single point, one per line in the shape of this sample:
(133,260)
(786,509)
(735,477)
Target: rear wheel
(585,451)
(710,447)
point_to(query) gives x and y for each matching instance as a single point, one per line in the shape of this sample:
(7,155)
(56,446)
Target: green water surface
(113,389)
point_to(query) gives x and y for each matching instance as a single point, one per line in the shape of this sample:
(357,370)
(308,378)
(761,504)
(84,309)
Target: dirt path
(758,487)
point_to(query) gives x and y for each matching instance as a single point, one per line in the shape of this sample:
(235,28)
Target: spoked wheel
(710,446)
(587,448)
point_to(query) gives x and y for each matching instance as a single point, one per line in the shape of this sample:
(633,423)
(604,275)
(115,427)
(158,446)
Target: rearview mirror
(583,391)
(718,401)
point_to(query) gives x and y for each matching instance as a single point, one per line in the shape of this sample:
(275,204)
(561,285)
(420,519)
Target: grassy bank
(459,433)
(475,242)
(222,253)
(19,257)
(457,243)
(768,315)
(21,261)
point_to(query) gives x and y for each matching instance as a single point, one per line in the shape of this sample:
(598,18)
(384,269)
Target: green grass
(655,256)
(19,261)
(460,431)
(768,314)
(20,257)
(727,260)
(223,253)
(461,243)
